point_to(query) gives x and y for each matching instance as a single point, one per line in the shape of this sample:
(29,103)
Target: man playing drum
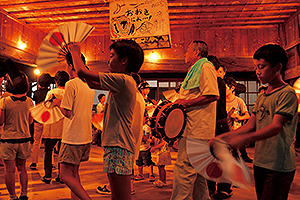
(199,94)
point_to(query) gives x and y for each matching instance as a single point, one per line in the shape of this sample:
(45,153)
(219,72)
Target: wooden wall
(290,35)
(234,47)
(11,32)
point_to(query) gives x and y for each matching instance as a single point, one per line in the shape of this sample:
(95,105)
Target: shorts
(11,151)
(74,154)
(118,160)
(144,159)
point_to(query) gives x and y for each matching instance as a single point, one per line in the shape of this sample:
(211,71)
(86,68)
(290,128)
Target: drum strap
(160,112)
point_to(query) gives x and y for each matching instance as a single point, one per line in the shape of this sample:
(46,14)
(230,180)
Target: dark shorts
(271,184)
(144,159)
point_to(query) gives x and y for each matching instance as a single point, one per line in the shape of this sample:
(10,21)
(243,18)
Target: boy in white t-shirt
(126,56)
(76,105)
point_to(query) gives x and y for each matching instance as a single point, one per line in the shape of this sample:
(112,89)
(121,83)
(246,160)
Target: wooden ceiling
(45,15)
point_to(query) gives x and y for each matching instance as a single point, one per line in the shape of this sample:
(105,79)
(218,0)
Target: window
(251,93)
(159,86)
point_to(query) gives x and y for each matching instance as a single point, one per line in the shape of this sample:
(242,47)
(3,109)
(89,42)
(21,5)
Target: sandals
(139,177)
(151,178)
(159,184)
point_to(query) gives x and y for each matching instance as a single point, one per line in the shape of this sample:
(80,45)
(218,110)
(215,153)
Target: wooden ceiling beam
(171,13)
(171,3)
(198,4)
(187,23)
(179,27)
(179,8)
(39,3)
(103,14)
(98,6)
(196,27)
(89,19)
(105,20)
(215,11)
(205,18)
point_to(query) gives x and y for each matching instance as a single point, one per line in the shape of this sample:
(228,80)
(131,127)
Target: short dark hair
(215,61)
(61,77)
(273,54)
(100,96)
(131,50)
(45,80)
(230,82)
(202,47)
(20,88)
(70,60)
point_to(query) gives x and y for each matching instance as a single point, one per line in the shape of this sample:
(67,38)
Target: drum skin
(168,121)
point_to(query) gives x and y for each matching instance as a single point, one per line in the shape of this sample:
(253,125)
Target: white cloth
(238,104)
(100,108)
(79,99)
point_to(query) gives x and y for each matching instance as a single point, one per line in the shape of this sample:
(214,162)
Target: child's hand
(153,149)
(74,48)
(235,116)
(56,102)
(150,140)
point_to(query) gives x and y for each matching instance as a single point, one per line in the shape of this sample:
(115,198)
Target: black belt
(14,141)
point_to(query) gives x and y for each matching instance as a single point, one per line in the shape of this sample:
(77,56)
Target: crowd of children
(126,136)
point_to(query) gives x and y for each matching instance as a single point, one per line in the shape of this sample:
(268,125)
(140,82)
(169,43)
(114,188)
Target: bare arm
(67,113)
(2,117)
(199,101)
(248,127)
(244,117)
(79,66)
(30,118)
(157,146)
(93,84)
(269,131)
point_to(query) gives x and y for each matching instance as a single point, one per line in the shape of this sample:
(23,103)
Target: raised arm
(67,113)
(79,66)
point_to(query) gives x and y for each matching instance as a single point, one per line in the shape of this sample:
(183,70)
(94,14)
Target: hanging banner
(145,21)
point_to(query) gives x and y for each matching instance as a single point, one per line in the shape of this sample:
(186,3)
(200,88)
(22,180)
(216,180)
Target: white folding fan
(222,167)
(53,49)
(46,113)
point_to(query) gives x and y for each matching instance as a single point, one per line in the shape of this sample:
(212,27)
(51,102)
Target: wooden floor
(92,175)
